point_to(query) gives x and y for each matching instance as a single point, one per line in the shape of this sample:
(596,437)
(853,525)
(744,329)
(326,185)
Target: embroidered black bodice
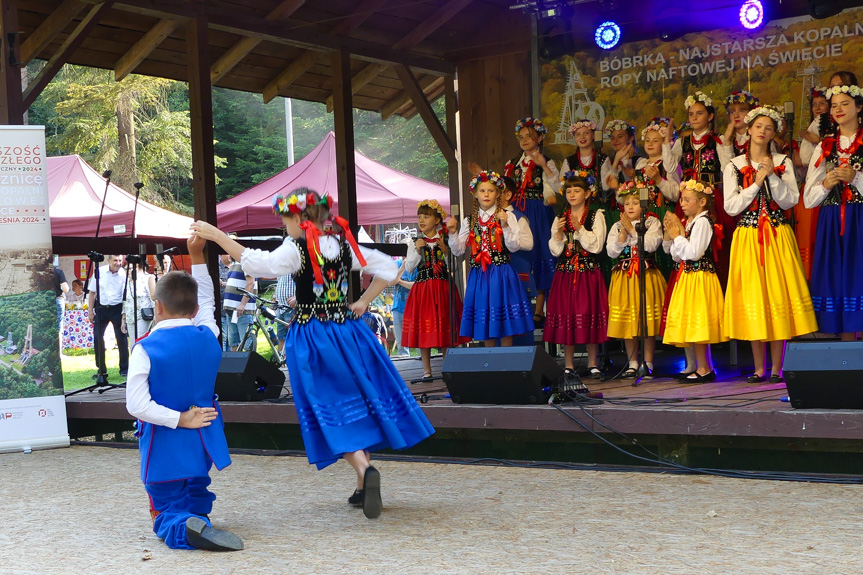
(327,302)
(574,257)
(706,263)
(432,264)
(763,203)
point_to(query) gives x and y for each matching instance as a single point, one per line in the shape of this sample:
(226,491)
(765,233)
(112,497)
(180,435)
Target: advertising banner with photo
(32,406)
(636,81)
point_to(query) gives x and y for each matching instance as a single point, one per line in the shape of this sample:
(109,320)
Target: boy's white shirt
(139,403)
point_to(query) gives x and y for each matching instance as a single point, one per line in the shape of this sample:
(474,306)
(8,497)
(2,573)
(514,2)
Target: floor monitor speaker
(246,376)
(824,374)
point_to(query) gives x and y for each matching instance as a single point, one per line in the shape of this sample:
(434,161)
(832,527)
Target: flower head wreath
(434,205)
(818,92)
(853,91)
(582,124)
(741,97)
(696,186)
(615,125)
(487,176)
(531,123)
(769,111)
(584,175)
(631,187)
(699,96)
(299,200)
(658,124)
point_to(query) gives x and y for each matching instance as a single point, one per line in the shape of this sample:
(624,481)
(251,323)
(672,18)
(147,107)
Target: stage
(726,424)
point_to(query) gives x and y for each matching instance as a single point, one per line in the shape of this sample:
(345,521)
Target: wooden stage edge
(728,407)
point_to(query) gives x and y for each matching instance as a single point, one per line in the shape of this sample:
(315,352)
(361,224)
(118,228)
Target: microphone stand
(98,343)
(134,260)
(641,230)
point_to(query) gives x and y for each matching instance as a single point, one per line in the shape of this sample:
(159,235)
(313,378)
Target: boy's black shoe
(202,536)
(372,504)
(357,498)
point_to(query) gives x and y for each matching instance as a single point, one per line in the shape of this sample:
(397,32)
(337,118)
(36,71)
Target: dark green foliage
(16,313)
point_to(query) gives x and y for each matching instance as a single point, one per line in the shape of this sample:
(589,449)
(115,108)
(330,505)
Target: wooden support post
(346,169)
(425,110)
(11,100)
(201,123)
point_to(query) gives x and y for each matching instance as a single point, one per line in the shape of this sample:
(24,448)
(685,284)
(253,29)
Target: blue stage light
(607,35)
(751,14)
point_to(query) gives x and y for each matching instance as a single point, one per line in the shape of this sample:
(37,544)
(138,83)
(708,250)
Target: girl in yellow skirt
(767,298)
(624,294)
(695,311)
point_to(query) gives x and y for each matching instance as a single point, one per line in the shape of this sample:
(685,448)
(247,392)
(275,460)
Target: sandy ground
(82,510)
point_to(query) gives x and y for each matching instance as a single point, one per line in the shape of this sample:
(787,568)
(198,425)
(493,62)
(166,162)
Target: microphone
(138,186)
(106,174)
(172,250)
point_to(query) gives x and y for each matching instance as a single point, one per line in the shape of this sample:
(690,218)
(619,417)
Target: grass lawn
(78,369)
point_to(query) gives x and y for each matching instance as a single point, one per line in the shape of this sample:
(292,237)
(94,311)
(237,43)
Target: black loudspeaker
(826,375)
(499,375)
(246,376)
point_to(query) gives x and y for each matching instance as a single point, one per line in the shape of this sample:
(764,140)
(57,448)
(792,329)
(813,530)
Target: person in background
(145,286)
(60,290)
(224,266)
(376,323)
(286,297)
(400,297)
(239,304)
(76,296)
(112,278)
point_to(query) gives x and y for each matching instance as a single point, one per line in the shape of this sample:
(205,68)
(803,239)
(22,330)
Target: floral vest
(486,244)
(763,210)
(327,301)
(574,257)
(432,264)
(706,263)
(701,164)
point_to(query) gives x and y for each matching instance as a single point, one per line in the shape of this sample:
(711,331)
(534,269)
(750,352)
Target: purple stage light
(751,14)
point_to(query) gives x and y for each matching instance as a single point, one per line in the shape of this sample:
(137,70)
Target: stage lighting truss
(607,35)
(751,14)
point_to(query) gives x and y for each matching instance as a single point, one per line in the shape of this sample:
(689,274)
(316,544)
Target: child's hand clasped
(197,417)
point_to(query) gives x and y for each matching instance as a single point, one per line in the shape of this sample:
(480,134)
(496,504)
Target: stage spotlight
(607,35)
(751,14)
(820,9)
(553,47)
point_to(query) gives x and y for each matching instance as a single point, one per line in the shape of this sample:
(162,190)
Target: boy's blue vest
(184,362)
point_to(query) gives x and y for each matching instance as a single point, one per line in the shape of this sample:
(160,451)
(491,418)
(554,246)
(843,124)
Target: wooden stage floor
(728,407)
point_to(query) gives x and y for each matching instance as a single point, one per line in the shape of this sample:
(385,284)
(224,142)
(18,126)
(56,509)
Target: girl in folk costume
(586,162)
(624,294)
(618,168)
(767,298)
(495,305)
(702,156)
(427,312)
(536,180)
(736,136)
(695,312)
(835,183)
(807,219)
(349,397)
(663,181)
(578,302)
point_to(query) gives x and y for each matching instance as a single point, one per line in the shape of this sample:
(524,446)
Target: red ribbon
(521,193)
(763,236)
(483,258)
(313,234)
(718,236)
(346,228)
(633,263)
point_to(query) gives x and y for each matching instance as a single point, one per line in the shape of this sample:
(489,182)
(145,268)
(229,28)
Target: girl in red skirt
(427,321)
(577,308)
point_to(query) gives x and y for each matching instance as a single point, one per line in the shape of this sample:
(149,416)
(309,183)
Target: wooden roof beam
(227,20)
(56,21)
(241,49)
(441,16)
(61,56)
(301,65)
(144,47)
(440,136)
(403,101)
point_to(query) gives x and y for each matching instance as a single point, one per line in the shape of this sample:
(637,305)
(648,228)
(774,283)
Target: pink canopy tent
(384,195)
(75,192)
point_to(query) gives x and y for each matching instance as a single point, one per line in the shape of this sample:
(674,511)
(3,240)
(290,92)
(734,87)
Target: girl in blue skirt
(835,183)
(349,397)
(495,304)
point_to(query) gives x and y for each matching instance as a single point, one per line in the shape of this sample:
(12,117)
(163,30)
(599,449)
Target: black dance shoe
(776,378)
(372,504)
(202,536)
(755,378)
(357,498)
